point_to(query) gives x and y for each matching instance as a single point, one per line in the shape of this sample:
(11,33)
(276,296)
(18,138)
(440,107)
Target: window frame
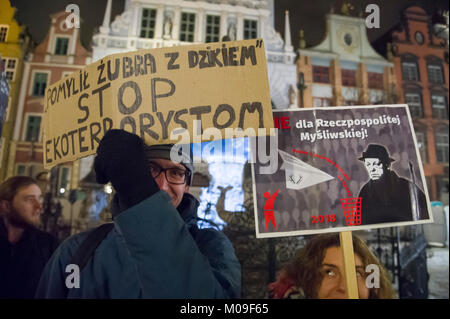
(321,76)
(148,29)
(375,80)
(416,68)
(213,25)
(26,126)
(348,77)
(31,169)
(24,167)
(5,26)
(436,66)
(420,105)
(250,32)
(442,111)
(440,145)
(59,37)
(188,34)
(32,84)
(322,100)
(10,70)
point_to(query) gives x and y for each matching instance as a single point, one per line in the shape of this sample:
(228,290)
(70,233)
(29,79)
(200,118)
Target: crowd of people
(153,248)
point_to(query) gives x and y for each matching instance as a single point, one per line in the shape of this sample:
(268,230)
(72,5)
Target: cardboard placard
(340,169)
(155,93)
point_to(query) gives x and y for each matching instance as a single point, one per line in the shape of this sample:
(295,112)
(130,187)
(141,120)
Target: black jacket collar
(188,207)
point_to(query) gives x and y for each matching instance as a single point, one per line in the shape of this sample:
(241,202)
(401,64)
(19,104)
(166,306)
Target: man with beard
(386,197)
(24,250)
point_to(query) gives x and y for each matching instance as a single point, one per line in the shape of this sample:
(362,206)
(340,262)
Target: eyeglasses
(173,175)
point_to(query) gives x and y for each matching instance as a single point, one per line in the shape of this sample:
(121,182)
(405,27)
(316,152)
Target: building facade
(148,24)
(344,69)
(13,46)
(421,67)
(59,55)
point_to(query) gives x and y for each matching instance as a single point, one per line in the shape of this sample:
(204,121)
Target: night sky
(304,14)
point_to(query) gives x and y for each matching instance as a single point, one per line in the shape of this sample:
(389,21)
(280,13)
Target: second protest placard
(339,169)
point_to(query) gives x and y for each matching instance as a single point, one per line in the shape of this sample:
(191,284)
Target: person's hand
(121,160)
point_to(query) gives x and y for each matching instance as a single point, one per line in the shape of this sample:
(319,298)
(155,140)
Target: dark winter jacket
(22,263)
(153,251)
(391,199)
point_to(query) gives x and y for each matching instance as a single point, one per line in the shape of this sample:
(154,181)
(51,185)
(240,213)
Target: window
(10,68)
(3,33)
(420,39)
(442,146)
(435,74)
(33,128)
(39,84)
(414,102)
(439,106)
(409,71)
(321,101)
(375,80)
(61,46)
(212,28)
(187,27)
(28,169)
(21,170)
(321,74)
(250,29)
(148,23)
(349,77)
(422,146)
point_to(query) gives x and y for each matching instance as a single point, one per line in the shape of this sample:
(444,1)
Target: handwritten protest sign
(340,169)
(157,94)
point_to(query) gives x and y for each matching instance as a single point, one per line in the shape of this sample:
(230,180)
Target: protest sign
(160,95)
(340,169)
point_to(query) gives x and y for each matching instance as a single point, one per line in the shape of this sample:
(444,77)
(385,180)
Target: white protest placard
(340,169)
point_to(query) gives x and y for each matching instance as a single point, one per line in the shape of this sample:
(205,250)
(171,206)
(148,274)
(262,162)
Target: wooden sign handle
(349,264)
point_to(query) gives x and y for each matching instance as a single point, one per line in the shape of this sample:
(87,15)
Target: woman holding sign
(317,272)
